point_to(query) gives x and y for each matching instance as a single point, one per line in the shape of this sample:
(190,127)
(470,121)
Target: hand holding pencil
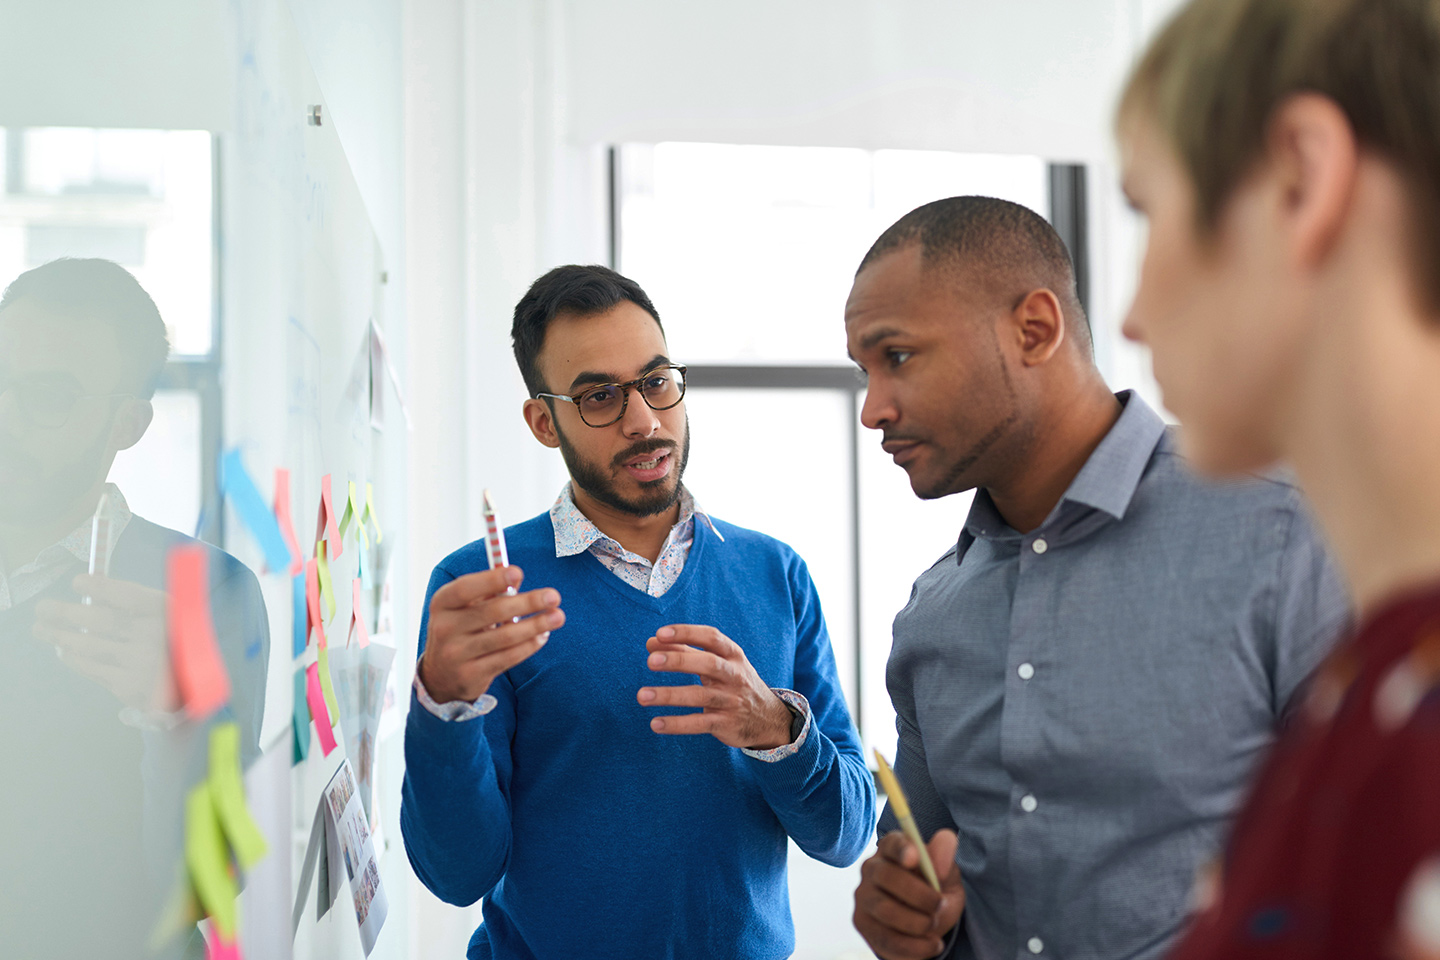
(902,909)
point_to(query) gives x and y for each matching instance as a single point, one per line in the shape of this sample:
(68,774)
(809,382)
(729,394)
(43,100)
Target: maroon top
(1337,852)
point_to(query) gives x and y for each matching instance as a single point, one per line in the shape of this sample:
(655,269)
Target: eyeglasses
(605,403)
(47,403)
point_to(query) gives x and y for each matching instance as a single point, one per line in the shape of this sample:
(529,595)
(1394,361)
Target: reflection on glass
(170,497)
(143,198)
(778,461)
(785,228)
(97,740)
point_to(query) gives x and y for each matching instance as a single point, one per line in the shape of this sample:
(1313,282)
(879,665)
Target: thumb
(942,853)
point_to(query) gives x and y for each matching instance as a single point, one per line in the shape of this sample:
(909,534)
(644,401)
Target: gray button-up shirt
(1084,703)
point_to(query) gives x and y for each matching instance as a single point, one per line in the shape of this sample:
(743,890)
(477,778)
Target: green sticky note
(209,862)
(301,720)
(228,791)
(322,568)
(370,513)
(327,687)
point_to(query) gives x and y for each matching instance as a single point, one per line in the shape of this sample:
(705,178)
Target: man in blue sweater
(627,790)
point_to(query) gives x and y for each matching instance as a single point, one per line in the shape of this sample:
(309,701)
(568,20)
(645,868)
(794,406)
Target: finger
(910,893)
(76,616)
(687,724)
(687,695)
(496,663)
(88,646)
(463,591)
(897,848)
(482,643)
(942,848)
(706,638)
(122,595)
(705,665)
(655,643)
(484,614)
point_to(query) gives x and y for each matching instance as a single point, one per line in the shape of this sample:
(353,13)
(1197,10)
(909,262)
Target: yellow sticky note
(228,792)
(179,915)
(370,513)
(209,864)
(353,508)
(326,687)
(322,567)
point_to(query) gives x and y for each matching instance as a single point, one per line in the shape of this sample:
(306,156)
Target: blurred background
(735,159)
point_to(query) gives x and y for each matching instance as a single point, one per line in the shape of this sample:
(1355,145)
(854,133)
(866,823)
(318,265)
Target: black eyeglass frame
(624,389)
(51,423)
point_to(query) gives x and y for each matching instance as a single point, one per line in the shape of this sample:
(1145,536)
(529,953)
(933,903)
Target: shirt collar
(575,533)
(1108,480)
(77,542)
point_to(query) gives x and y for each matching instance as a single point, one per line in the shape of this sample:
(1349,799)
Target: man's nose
(878,409)
(639,420)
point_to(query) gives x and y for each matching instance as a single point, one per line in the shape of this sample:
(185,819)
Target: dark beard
(36,500)
(659,495)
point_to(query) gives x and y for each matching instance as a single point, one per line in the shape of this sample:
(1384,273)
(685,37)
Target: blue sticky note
(246,499)
(301,720)
(301,628)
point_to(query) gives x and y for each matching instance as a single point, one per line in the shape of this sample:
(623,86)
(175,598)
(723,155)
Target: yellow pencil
(901,808)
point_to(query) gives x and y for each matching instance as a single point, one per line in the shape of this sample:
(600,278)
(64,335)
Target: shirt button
(1028,803)
(1026,671)
(1039,546)
(1036,945)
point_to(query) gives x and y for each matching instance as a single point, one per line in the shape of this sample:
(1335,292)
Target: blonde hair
(1213,77)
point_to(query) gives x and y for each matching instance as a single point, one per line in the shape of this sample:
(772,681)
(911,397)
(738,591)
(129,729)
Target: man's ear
(131,421)
(1038,324)
(541,421)
(1314,156)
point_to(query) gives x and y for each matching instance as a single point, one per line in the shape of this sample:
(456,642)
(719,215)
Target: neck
(643,535)
(1363,438)
(1068,430)
(21,543)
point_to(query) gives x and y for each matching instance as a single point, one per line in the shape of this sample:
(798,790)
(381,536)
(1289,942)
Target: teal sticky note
(301,720)
(246,499)
(301,622)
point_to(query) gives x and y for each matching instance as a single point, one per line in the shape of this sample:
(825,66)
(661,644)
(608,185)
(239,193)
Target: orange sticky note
(287,523)
(199,670)
(312,600)
(318,712)
(325,528)
(357,616)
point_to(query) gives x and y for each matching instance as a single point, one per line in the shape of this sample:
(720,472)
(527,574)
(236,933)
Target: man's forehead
(624,340)
(34,337)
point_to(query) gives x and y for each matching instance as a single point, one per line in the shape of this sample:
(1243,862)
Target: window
(145,199)
(748,253)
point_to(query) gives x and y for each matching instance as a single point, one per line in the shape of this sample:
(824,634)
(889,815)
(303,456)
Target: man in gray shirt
(1085,683)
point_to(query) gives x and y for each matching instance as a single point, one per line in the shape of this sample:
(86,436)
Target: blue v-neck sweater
(588,834)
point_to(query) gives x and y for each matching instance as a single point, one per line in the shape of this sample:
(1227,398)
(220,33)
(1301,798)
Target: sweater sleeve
(822,794)
(455,799)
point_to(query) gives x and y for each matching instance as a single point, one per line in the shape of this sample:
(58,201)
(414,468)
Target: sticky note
(322,569)
(301,719)
(315,697)
(208,860)
(367,563)
(258,518)
(299,614)
(327,686)
(370,513)
(195,656)
(353,506)
(357,615)
(227,789)
(219,948)
(286,520)
(325,528)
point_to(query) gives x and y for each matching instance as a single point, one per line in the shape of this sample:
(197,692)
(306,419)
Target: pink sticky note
(199,670)
(357,615)
(325,528)
(318,711)
(287,523)
(312,600)
(221,949)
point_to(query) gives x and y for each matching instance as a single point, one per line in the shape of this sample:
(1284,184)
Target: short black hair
(572,289)
(103,292)
(1007,244)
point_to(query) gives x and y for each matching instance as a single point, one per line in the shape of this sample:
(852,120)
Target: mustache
(644,446)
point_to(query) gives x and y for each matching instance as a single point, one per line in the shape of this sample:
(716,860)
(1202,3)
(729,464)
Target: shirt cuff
(801,706)
(455,710)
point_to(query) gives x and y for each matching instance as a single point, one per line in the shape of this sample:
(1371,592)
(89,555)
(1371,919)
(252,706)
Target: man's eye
(897,357)
(599,396)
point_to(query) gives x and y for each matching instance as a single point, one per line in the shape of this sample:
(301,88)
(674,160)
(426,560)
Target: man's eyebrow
(599,376)
(875,336)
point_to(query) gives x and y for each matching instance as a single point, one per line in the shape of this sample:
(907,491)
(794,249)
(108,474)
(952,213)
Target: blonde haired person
(1287,156)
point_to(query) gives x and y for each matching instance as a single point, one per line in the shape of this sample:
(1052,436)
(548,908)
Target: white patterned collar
(575,533)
